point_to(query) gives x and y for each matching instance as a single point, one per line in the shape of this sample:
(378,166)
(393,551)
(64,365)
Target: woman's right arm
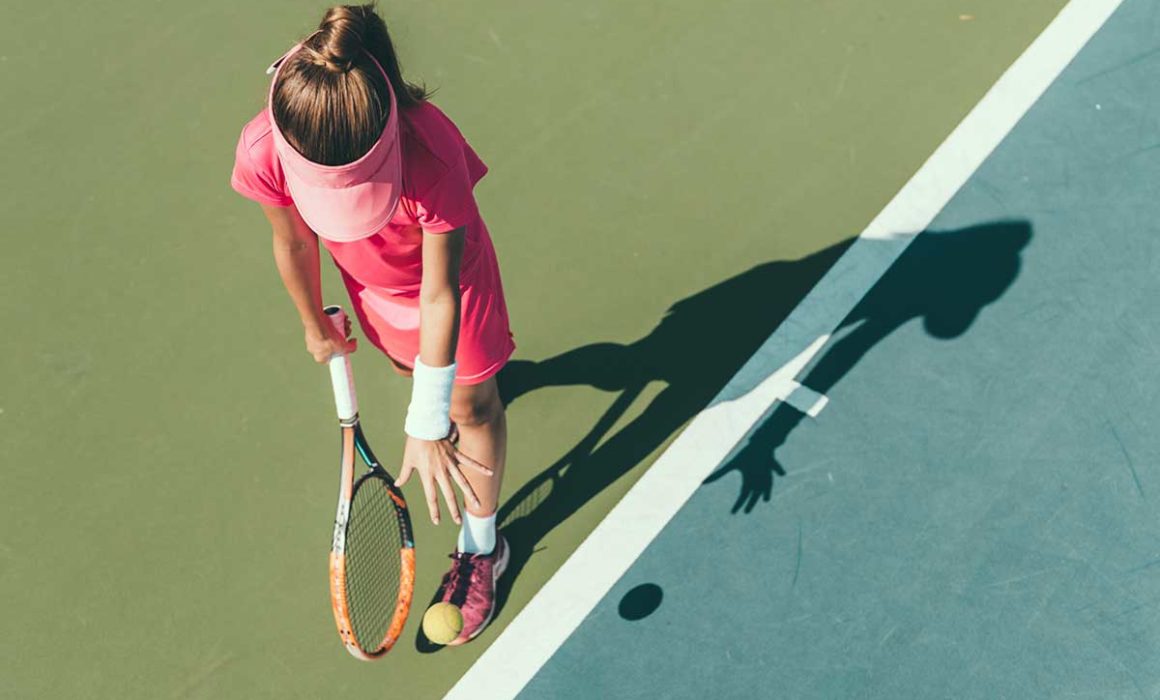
(296,255)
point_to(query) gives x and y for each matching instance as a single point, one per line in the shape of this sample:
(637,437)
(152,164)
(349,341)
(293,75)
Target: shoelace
(459,578)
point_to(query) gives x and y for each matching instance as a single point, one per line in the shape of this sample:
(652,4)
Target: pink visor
(343,202)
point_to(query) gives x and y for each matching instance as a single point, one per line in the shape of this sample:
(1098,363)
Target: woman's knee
(476,405)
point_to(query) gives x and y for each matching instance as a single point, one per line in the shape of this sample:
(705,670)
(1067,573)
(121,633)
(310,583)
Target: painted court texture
(972,514)
(968,515)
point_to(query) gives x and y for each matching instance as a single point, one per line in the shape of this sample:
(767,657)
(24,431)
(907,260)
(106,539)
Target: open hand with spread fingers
(439,464)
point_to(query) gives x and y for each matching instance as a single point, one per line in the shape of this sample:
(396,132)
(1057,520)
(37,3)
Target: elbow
(292,246)
(442,296)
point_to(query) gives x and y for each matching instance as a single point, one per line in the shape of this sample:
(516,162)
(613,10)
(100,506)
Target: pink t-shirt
(440,170)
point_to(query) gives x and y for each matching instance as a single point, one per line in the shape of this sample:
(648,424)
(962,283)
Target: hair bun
(340,38)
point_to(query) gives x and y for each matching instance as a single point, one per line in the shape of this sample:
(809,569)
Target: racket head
(372,559)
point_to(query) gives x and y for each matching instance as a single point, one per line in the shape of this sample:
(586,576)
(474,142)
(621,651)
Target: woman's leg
(479,413)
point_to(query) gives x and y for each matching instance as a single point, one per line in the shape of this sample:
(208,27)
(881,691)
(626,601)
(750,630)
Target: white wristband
(429,415)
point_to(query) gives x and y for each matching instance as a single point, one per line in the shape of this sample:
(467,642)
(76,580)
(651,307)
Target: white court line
(561,605)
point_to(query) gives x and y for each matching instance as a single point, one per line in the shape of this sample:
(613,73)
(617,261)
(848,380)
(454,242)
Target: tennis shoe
(470,585)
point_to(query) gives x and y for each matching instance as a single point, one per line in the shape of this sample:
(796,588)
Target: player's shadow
(943,278)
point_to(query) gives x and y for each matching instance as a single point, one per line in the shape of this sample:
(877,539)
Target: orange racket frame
(354,442)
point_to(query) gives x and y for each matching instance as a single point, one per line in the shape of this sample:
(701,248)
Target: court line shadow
(944,278)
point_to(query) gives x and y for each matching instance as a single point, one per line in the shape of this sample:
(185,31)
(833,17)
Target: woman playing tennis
(349,154)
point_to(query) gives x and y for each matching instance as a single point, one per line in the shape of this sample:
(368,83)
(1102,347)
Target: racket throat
(341,519)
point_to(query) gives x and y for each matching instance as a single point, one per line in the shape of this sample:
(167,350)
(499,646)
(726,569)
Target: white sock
(477,535)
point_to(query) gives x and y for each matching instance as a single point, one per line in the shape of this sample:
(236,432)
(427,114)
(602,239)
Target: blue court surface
(973,514)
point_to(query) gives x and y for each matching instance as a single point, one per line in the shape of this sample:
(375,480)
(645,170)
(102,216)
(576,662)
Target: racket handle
(341,376)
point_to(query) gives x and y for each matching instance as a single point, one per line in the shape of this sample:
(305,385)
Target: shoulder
(257,169)
(440,170)
(426,127)
(433,147)
(257,143)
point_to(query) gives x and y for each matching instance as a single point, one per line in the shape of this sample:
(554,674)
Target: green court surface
(168,446)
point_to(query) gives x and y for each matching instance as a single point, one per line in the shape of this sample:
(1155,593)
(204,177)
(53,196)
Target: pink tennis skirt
(390,320)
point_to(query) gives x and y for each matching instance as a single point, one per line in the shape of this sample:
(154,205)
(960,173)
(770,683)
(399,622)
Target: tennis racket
(372,554)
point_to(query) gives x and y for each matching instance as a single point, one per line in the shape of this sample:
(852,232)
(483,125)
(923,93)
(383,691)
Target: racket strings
(373,563)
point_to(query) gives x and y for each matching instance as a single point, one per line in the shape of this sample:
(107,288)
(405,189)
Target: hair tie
(329,62)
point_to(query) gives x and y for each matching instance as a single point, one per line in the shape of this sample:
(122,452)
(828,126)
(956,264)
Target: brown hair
(331,102)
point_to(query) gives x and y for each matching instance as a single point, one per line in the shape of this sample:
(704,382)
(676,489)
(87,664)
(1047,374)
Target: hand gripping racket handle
(341,377)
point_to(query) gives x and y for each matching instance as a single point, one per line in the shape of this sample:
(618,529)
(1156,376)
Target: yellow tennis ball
(442,623)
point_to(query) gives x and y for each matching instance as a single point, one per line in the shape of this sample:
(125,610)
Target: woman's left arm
(438,461)
(439,297)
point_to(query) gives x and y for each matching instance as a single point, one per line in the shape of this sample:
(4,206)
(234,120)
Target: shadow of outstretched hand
(945,279)
(756,460)
(757,470)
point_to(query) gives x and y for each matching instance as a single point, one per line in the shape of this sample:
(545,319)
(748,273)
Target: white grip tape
(341,376)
